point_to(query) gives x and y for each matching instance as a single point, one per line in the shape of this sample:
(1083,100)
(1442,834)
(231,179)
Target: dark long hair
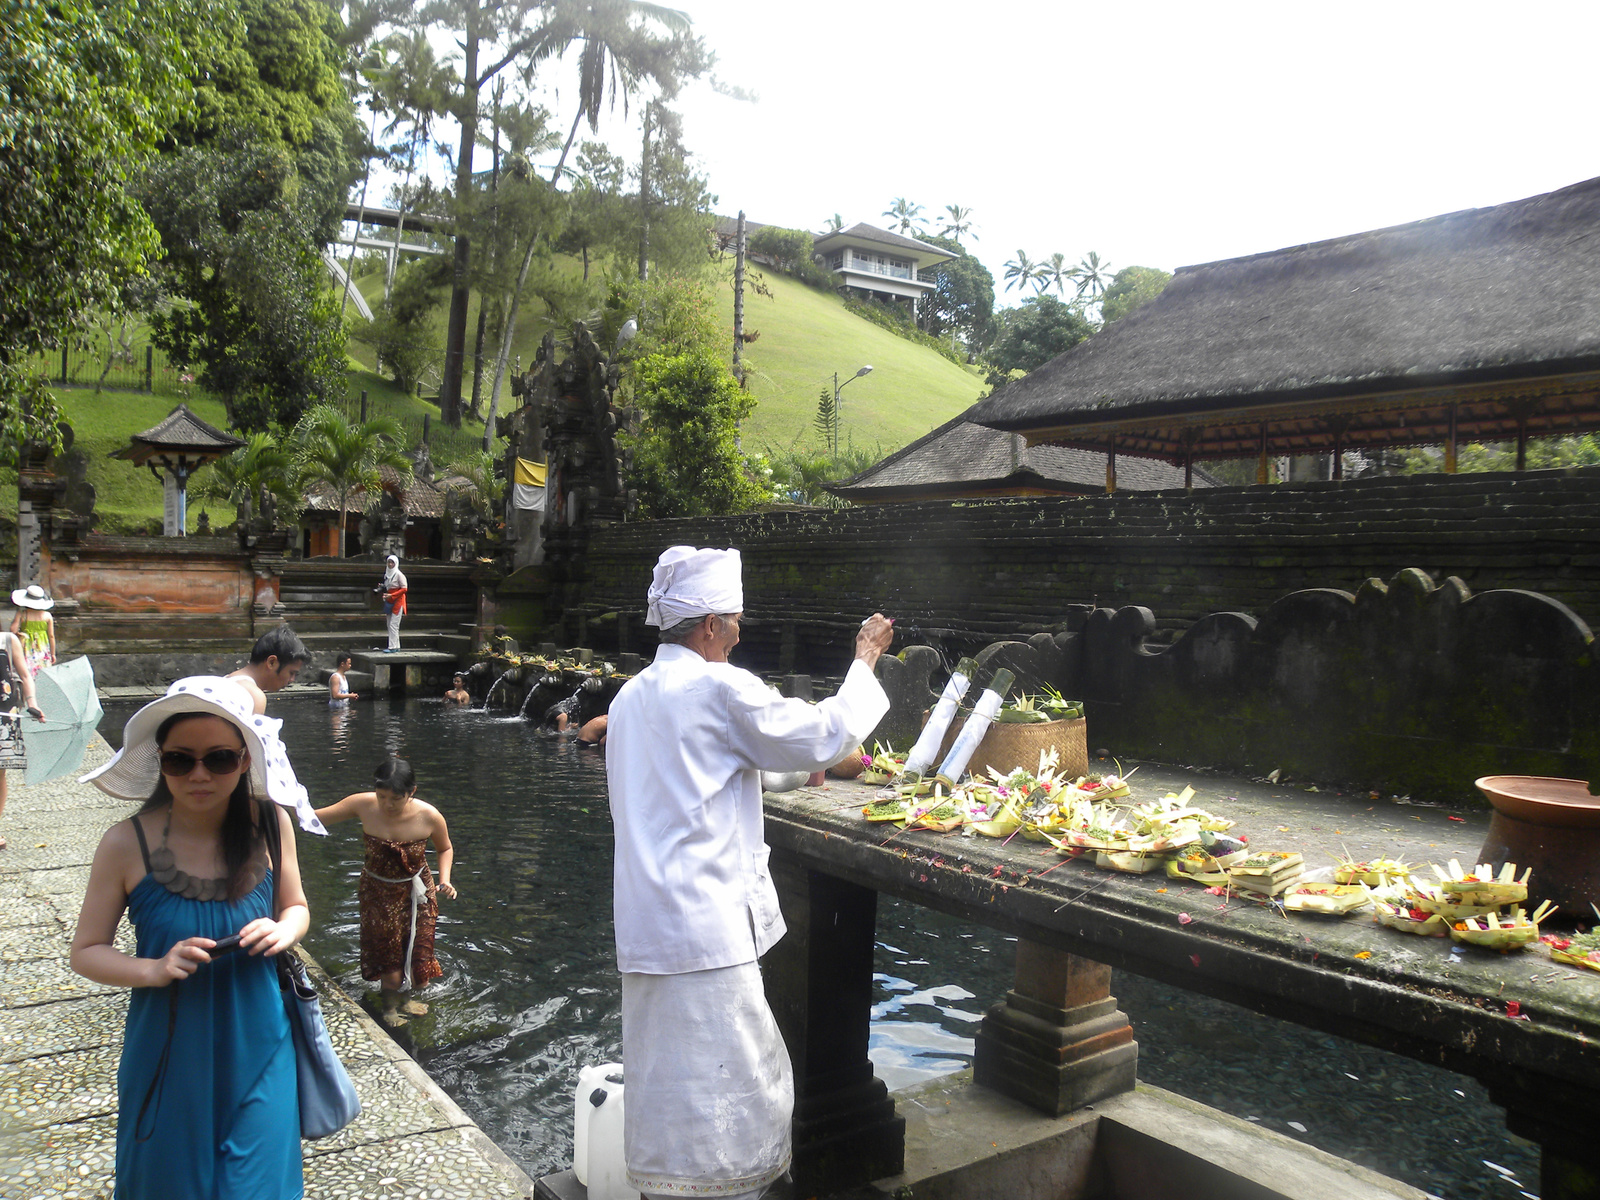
(240,832)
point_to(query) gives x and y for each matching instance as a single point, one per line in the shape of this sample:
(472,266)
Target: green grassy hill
(805,336)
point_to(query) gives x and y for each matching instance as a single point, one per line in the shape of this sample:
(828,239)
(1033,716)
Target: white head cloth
(392,576)
(694,583)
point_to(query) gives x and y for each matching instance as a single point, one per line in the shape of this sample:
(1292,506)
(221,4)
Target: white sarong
(710,1092)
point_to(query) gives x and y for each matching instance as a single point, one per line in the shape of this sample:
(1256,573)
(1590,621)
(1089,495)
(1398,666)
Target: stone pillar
(819,983)
(1058,1042)
(796,687)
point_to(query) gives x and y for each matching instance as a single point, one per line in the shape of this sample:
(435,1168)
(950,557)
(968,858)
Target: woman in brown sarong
(399,902)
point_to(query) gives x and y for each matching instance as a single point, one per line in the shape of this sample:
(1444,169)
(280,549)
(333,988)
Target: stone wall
(1407,634)
(959,575)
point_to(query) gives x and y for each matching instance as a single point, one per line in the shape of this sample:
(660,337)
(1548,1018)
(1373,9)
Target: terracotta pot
(1553,826)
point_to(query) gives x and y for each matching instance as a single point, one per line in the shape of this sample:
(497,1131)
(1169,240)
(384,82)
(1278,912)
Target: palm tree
(617,55)
(1055,274)
(908,215)
(416,88)
(1022,271)
(1092,276)
(616,59)
(835,224)
(345,455)
(960,223)
(262,467)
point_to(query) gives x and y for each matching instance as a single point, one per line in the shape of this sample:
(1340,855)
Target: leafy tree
(255,315)
(905,217)
(89,89)
(962,300)
(1034,332)
(1133,287)
(686,459)
(958,224)
(274,77)
(345,455)
(404,331)
(413,86)
(1022,271)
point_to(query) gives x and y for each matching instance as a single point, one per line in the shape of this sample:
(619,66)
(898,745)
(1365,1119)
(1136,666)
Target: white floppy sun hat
(132,773)
(32,596)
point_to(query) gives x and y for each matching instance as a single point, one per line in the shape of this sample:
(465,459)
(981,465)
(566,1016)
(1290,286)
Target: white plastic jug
(597,1133)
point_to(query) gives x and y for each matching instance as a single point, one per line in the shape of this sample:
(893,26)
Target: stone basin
(1553,826)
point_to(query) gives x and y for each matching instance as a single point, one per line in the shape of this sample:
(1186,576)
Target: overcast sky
(1161,134)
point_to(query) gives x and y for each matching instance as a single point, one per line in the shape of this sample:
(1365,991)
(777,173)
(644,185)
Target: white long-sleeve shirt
(685,746)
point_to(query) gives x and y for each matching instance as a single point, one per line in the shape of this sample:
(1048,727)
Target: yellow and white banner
(527,485)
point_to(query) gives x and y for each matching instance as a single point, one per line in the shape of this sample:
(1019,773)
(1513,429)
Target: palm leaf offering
(1391,911)
(883,766)
(1495,932)
(1267,872)
(1483,885)
(1578,949)
(1377,872)
(1329,899)
(1133,863)
(896,809)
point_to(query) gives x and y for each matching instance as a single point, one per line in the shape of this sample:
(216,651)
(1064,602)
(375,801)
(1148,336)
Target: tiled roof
(420,499)
(181,430)
(882,237)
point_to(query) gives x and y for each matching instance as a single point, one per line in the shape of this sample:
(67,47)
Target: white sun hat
(133,771)
(32,596)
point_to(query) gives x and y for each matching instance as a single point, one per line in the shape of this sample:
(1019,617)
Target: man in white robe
(710,1090)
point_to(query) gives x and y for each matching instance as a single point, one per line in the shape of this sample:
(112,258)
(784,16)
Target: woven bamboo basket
(1007,747)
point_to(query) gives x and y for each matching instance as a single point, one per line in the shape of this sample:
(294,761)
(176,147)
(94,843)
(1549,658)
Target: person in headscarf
(394,599)
(710,1086)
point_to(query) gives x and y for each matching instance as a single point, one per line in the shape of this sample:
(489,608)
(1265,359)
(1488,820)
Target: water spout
(499,679)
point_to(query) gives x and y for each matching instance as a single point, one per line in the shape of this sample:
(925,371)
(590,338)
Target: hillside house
(879,264)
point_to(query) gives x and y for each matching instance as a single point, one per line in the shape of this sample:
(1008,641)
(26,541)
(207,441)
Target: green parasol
(66,695)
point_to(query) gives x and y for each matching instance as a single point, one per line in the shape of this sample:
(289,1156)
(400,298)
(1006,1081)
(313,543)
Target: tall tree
(414,87)
(905,217)
(958,223)
(1022,271)
(687,460)
(252,311)
(962,300)
(1092,277)
(345,455)
(1055,273)
(1033,333)
(90,88)
(618,53)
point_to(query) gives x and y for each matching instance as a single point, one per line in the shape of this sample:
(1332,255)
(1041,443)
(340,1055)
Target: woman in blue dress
(207,1106)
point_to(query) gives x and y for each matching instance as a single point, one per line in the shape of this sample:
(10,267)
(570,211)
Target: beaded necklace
(164,870)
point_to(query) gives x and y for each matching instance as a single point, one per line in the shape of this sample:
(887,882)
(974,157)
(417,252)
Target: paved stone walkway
(61,1036)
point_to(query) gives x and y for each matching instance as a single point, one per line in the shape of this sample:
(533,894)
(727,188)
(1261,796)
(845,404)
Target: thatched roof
(1470,309)
(963,459)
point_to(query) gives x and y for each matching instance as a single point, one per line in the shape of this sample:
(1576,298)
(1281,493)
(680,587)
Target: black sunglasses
(216,762)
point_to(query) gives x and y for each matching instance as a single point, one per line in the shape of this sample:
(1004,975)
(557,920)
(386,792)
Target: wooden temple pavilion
(1480,326)
(174,450)
(961,460)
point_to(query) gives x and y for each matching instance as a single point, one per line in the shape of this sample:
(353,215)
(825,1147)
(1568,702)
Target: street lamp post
(836,388)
